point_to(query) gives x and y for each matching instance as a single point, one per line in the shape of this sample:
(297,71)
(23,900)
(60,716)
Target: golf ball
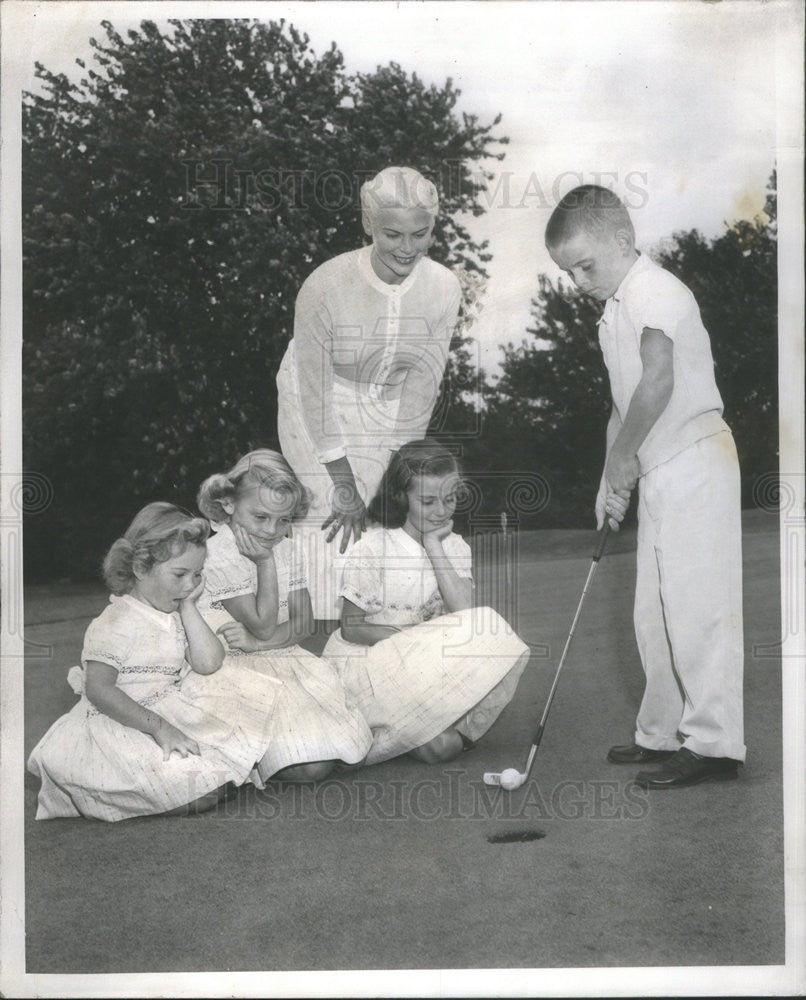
(510,779)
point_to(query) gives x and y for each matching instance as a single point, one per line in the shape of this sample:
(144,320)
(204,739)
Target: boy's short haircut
(589,209)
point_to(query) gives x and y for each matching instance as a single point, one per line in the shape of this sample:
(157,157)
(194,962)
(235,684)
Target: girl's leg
(315,771)
(447,746)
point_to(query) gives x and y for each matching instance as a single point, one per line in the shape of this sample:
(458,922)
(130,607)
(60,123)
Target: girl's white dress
(91,765)
(310,719)
(442,669)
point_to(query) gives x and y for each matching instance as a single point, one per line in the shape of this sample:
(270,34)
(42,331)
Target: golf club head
(492,778)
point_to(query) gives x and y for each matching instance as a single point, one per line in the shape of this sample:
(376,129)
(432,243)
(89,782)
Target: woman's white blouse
(394,339)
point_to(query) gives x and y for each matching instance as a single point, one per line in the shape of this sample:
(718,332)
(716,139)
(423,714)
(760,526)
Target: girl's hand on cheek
(437,534)
(195,594)
(249,546)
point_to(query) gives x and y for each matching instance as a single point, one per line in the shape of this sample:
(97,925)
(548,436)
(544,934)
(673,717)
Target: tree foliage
(547,412)
(735,281)
(174,199)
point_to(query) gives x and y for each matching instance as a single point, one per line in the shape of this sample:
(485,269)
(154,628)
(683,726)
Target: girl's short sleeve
(109,639)
(298,564)
(362,578)
(291,566)
(226,572)
(458,551)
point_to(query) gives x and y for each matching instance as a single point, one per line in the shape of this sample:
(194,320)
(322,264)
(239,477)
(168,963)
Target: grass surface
(391,867)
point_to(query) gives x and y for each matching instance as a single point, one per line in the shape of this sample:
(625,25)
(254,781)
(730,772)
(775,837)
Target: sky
(672,104)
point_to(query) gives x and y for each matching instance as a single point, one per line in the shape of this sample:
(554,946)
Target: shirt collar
(638,265)
(385,288)
(165,620)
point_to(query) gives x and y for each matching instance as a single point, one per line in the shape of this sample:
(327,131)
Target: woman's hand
(347,512)
(238,636)
(250,547)
(172,740)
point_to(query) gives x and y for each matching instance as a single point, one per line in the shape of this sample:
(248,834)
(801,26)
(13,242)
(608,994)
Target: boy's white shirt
(651,297)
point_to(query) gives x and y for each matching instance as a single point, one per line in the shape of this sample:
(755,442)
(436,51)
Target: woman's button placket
(394,312)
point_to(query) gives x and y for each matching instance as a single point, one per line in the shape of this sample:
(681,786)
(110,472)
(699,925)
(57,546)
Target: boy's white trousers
(688,602)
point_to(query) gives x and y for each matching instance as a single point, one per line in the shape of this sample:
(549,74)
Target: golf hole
(516,836)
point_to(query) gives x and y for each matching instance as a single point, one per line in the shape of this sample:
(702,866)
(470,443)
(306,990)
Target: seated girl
(429,671)
(256,597)
(137,742)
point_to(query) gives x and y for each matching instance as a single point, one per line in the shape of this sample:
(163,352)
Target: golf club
(512,778)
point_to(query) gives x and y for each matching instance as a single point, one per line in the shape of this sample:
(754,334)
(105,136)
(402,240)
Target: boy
(666,431)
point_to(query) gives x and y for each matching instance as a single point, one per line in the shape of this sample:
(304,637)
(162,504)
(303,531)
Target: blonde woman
(361,376)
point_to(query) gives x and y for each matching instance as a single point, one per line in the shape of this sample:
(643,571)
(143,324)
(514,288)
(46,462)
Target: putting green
(393,867)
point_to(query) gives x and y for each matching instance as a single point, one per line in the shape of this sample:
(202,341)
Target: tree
(174,199)
(735,281)
(553,389)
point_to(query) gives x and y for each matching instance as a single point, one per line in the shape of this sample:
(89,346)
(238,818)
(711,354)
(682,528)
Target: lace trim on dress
(145,702)
(151,668)
(366,601)
(218,606)
(222,593)
(103,656)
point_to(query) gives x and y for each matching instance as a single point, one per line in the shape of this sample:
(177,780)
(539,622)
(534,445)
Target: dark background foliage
(175,198)
(174,201)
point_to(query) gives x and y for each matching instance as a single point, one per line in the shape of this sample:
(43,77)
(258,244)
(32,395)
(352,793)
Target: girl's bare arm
(355,628)
(100,687)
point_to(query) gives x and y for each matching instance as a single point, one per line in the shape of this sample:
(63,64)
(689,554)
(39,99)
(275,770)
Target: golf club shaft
(603,535)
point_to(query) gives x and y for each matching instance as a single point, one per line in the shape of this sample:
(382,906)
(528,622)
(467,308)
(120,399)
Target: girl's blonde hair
(158,532)
(397,187)
(264,468)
